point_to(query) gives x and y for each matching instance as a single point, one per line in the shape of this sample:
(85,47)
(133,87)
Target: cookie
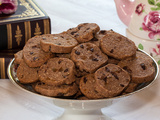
(33,55)
(18,57)
(57,71)
(87,86)
(84,32)
(117,46)
(88,57)
(56,91)
(140,68)
(58,43)
(111,80)
(26,74)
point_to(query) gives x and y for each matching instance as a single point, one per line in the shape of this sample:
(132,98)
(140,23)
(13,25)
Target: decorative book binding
(5,57)
(29,20)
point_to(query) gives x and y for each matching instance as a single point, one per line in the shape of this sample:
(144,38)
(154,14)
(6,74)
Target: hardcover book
(29,20)
(5,57)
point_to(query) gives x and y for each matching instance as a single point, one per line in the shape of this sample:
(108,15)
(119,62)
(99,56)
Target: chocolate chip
(94,39)
(81,46)
(79,27)
(66,70)
(35,46)
(31,53)
(58,43)
(43,38)
(50,48)
(73,32)
(115,75)
(94,59)
(92,49)
(85,80)
(62,37)
(76,35)
(95,91)
(107,69)
(112,51)
(77,52)
(35,58)
(102,32)
(127,69)
(87,28)
(121,85)
(59,62)
(143,66)
(105,79)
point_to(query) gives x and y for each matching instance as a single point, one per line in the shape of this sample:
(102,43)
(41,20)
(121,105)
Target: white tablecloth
(19,105)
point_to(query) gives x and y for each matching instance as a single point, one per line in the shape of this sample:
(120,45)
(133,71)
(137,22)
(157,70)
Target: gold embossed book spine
(29,20)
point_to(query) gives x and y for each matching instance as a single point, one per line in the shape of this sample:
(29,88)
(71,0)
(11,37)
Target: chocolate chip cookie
(140,68)
(111,80)
(26,74)
(56,91)
(87,87)
(58,43)
(57,71)
(117,46)
(84,32)
(88,57)
(33,55)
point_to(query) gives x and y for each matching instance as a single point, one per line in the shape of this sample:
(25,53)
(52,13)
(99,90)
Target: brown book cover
(5,57)
(29,20)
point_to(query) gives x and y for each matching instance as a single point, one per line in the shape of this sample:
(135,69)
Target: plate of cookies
(82,69)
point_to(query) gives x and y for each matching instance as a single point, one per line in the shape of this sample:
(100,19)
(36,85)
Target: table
(19,105)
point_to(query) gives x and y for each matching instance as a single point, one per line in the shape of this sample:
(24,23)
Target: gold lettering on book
(29,10)
(37,30)
(18,35)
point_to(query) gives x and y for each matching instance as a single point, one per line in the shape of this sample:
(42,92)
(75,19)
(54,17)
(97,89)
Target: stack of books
(29,20)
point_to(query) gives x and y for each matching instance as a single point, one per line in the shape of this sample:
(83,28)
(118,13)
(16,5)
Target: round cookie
(58,43)
(57,71)
(33,55)
(18,57)
(88,57)
(111,80)
(56,91)
(26,74)
(140,67)
(87,86)
(84,32)
(117,46)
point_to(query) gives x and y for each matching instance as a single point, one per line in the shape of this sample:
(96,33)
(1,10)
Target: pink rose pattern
(139,9)
(151,23)
(155,52)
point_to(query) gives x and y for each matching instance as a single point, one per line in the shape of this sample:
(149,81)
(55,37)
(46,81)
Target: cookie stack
(83,62)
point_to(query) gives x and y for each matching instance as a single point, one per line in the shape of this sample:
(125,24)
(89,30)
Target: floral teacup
(143,20)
